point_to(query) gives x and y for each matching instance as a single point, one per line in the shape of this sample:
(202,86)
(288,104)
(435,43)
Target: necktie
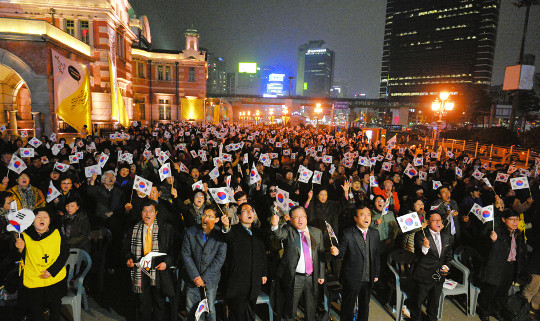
(148,241)
(452,226)
(438,243)
(364,234)
(307,256)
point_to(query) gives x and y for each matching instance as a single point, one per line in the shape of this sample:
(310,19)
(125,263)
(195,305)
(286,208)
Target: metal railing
(494,152)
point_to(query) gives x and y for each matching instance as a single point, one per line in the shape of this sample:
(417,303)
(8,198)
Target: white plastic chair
(461,288)
(401,263)
(470,259)
(75,277)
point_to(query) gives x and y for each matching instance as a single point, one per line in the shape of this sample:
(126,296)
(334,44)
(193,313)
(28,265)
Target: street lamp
(318,111)
(257,117)
(271,115)
(284,112)
(440,107)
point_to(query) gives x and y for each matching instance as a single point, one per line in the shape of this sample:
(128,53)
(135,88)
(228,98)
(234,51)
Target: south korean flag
(52,192)
(142,185)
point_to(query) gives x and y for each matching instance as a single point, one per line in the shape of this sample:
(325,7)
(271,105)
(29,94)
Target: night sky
(269,32)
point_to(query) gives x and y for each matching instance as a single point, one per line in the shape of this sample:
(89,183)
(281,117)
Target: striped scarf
(137,249)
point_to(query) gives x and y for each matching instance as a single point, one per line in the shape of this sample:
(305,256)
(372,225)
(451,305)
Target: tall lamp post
(257,118)
(271,115)
(318,111)
(440,107)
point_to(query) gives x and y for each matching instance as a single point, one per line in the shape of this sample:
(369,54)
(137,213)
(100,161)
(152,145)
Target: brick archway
(39,90)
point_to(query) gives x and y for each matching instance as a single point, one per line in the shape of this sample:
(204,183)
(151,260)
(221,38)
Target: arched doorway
(24,96)
(16,107)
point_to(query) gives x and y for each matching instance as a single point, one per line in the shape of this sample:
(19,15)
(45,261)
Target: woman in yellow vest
(44,276)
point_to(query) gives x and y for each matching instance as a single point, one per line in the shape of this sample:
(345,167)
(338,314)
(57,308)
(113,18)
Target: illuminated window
(140,70)
(141,107)
(164,109)
(168,73)
(84,31)
(69,26)
(160,72)
(191,77)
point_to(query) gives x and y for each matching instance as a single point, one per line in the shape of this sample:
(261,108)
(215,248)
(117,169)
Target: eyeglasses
(199,196)
(273,190)
(299,217)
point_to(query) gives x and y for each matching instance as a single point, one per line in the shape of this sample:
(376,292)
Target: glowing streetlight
(440,107)
(318,111)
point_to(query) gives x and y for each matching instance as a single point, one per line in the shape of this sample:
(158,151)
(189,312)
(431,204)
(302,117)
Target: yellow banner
(119,112)
(192,109)
(76,109)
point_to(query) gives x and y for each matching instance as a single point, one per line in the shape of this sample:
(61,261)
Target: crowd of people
(243,209)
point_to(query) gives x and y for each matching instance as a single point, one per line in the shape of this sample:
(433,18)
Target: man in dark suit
(246,264)
(360,249)
(203,254)
(433,251)
(301,268)
(151,235)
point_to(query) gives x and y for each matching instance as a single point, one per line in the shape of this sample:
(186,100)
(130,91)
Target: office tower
(431,46)
(231,83)
(217,75)
(315,71)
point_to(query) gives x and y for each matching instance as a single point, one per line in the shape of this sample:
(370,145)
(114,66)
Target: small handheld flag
(254,176)
(409,222)
(19,221)
(16,164)
(142,185)
(52,192)
(331,232)
(519,183)
(197,185)
(90,170)
(220,195)
(165,171)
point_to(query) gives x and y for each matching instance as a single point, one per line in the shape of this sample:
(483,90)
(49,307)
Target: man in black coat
(433,252)
(302,267)
(151,291)
(246,264)
(360,249)
(505,260)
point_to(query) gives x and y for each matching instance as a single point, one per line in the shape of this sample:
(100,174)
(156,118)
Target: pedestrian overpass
(257,109)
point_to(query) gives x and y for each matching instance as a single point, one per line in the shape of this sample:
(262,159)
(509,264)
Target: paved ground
(377,313)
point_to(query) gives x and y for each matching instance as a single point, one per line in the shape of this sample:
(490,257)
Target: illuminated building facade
(87,32)
(315,72)
(431,46)
(275,81)
(169,85)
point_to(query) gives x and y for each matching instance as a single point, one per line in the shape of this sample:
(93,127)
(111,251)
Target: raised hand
(426,243)
(225,221)
(274,220)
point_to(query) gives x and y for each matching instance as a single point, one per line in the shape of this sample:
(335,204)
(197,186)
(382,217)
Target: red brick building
(87,31)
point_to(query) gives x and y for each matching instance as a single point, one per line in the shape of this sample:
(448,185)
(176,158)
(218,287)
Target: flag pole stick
(131,198)
(204,289)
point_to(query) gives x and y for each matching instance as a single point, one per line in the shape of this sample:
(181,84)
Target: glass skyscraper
(315,72)
(433,45)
